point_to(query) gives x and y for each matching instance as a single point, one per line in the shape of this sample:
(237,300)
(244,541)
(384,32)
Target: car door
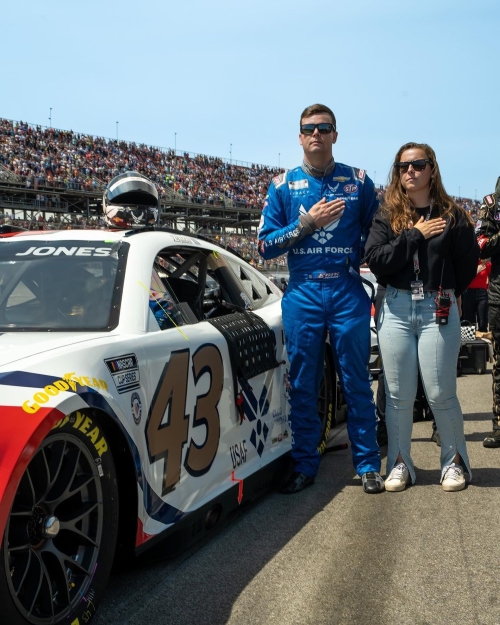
(266,399)
(194,436)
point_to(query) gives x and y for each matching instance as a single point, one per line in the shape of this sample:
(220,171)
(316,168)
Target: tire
(60,537)
(326,403)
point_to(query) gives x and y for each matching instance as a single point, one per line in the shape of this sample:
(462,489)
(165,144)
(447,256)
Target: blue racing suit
(325,292)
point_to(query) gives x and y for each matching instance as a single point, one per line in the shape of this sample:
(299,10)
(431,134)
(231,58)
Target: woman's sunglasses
(418,165)
(323,129)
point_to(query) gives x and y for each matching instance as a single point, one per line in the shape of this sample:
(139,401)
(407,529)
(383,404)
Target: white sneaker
(454,478)
(398,478)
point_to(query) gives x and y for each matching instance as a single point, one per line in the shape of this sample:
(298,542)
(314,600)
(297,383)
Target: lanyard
(416,264)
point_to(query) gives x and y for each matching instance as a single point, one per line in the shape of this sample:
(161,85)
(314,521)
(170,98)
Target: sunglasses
(418,165)
(323,129)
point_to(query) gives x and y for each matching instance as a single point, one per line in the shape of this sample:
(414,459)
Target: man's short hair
(316,109)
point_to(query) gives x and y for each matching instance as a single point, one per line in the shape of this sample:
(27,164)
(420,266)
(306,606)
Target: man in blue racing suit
(320,213)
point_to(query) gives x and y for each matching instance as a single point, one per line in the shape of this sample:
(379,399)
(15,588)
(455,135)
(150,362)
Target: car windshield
(60,285)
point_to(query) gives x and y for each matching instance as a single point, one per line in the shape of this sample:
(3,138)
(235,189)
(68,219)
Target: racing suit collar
(318,173)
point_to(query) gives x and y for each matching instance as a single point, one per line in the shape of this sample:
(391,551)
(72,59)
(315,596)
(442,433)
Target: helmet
(130,200)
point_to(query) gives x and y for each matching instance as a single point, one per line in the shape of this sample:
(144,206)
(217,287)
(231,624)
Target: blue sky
(228,78)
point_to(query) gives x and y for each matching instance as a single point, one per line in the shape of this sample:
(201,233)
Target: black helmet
(130,200)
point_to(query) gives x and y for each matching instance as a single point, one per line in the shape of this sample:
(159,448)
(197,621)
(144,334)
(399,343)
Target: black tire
(60,537)
(326,402)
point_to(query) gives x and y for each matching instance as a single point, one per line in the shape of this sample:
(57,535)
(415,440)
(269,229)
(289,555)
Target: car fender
(20,436)
(22,431)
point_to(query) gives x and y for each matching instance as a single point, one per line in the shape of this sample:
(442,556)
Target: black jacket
(488,232)
(448,260)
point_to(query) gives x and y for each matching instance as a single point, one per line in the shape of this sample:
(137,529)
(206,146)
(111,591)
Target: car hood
(16,346)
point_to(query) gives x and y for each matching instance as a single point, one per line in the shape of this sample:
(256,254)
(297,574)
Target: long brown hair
(397,206)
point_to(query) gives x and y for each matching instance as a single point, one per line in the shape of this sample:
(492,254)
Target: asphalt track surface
(334,555)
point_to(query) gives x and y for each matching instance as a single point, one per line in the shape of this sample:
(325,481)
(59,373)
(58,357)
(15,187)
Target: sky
(229,78)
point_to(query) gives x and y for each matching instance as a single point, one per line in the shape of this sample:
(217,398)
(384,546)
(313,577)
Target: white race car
(144,396)
(375,359)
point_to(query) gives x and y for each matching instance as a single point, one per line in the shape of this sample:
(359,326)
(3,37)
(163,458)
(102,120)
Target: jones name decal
(66,251)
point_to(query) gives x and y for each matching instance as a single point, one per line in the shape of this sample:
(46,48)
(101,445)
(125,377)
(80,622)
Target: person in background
(488,231)
(320,213)
(422,247)
(475,299)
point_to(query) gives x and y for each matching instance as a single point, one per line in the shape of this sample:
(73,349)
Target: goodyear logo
(86,426)
(69,382)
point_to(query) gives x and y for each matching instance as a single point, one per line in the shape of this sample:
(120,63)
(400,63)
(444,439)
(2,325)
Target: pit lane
(334,555)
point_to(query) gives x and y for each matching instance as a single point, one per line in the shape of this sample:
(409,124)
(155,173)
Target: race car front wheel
(59,541)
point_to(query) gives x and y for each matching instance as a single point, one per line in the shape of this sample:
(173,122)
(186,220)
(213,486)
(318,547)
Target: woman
(422,247)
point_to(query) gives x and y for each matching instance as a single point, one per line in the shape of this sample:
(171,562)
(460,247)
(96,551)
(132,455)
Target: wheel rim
(54,531)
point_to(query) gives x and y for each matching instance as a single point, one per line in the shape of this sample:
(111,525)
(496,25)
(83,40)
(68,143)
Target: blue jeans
(409,338)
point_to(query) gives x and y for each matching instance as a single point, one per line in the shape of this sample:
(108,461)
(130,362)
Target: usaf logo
(324,234)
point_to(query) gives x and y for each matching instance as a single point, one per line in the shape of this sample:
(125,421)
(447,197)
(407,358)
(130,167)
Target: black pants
(475,308)
(494,321)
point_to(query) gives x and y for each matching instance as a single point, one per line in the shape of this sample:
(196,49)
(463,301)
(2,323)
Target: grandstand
(52,178)
(58,177)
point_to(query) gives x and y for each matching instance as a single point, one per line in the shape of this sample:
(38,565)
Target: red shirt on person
(481,279)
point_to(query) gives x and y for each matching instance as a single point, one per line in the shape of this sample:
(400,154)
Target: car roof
(134,237)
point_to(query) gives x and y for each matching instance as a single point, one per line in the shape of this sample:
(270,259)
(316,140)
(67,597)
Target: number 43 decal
(166,440)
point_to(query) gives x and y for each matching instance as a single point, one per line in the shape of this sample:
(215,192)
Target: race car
(144,397)
(370,284)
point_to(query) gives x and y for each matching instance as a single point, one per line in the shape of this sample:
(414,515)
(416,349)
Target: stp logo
(350,188)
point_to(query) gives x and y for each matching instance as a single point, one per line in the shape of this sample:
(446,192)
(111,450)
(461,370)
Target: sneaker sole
(395,488)
(374,492)
(491,443)
(452,488)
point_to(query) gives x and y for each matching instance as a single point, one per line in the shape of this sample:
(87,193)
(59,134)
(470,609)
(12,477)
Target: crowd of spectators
(69,160)
(47,157)
(53,222)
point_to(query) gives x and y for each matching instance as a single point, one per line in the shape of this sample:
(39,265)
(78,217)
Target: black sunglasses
(418,165)
(323,129)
